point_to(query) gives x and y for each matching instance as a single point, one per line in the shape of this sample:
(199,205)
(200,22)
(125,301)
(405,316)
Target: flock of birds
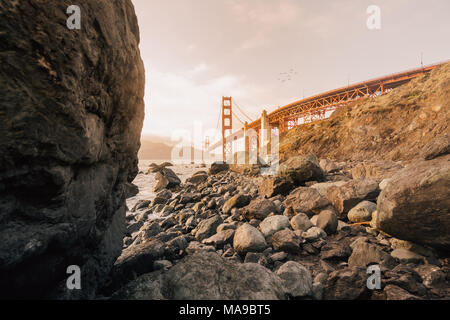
(286,76)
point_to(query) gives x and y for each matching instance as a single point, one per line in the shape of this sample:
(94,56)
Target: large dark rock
(415,204)
(71,113)
(301,169)
(205,276)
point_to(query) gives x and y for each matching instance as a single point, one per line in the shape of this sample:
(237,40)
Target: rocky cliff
(71,113)
(395,126)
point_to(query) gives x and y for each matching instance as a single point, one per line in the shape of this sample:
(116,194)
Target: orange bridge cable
(240,109)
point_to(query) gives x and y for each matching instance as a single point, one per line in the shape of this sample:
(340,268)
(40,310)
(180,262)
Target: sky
(196,51)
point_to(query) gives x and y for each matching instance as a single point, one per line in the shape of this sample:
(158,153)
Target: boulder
(375,170)
(350,194)
(301,169)
(323,187)
(272,186)
(362,212)
(439,146)
(365,253)
(220,239)
(327,221)
(206,276)
(301,222)
(237,201)
(218,167)
(207,228)
(407,256)
(313,234)
(272,224)
(297,280)
(247,238)
(346,284)
(198,177)
(415,204)
(286,240)
(306,200)
(71,113)
(259,209)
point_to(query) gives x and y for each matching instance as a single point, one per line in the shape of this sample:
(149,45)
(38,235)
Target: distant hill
(155,148)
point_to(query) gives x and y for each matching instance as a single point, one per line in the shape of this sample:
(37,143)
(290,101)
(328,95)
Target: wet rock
(237,201)
(259,209)
(207,276)
(286,240)
(297,280)
(247,238)
(350,194)
(306,200)
(273,186)
(272,224)
(415,205)
(71,113)
(362,212)
(301,169)
(301,222)
(327,221)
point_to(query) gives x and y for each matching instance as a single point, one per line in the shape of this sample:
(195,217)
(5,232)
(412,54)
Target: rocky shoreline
(310,232)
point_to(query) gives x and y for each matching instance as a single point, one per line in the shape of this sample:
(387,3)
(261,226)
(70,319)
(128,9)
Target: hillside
(395,126)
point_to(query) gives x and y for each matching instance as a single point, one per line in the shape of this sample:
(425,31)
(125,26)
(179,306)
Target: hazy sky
(196,51)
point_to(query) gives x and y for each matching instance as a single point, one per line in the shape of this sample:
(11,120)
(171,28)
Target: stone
(375,170)
(273,186)
(278,256)
(237,201)
(362,212)
(439,146)
(407,256)
(306,200)
(314,234)
(301,169)
(137,259)
(431,275)
(301,222)
(350,194)
(207,228)
(365,253)
(198,178)
(272,224)
(247,238)
(346,284)
(259,209)
(415,205)
(218,167)
(329,166)
(323,187)
(335,252)
(161,182)
(393,292)
(286,240)
(197,247)
(71,113)
(220,239)
(327,221)
(162,264)
(297,280)
(206,276)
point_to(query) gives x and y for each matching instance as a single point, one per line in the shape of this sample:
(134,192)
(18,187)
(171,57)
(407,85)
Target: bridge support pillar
(265,138)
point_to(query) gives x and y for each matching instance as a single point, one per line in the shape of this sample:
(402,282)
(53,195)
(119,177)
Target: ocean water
(145,181)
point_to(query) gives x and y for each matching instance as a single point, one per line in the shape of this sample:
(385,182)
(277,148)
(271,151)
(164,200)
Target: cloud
(264,12)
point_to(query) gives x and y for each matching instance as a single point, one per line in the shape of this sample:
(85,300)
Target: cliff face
(395,126)
(71,113)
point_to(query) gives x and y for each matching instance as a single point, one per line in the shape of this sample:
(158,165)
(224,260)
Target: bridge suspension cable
(240,109)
